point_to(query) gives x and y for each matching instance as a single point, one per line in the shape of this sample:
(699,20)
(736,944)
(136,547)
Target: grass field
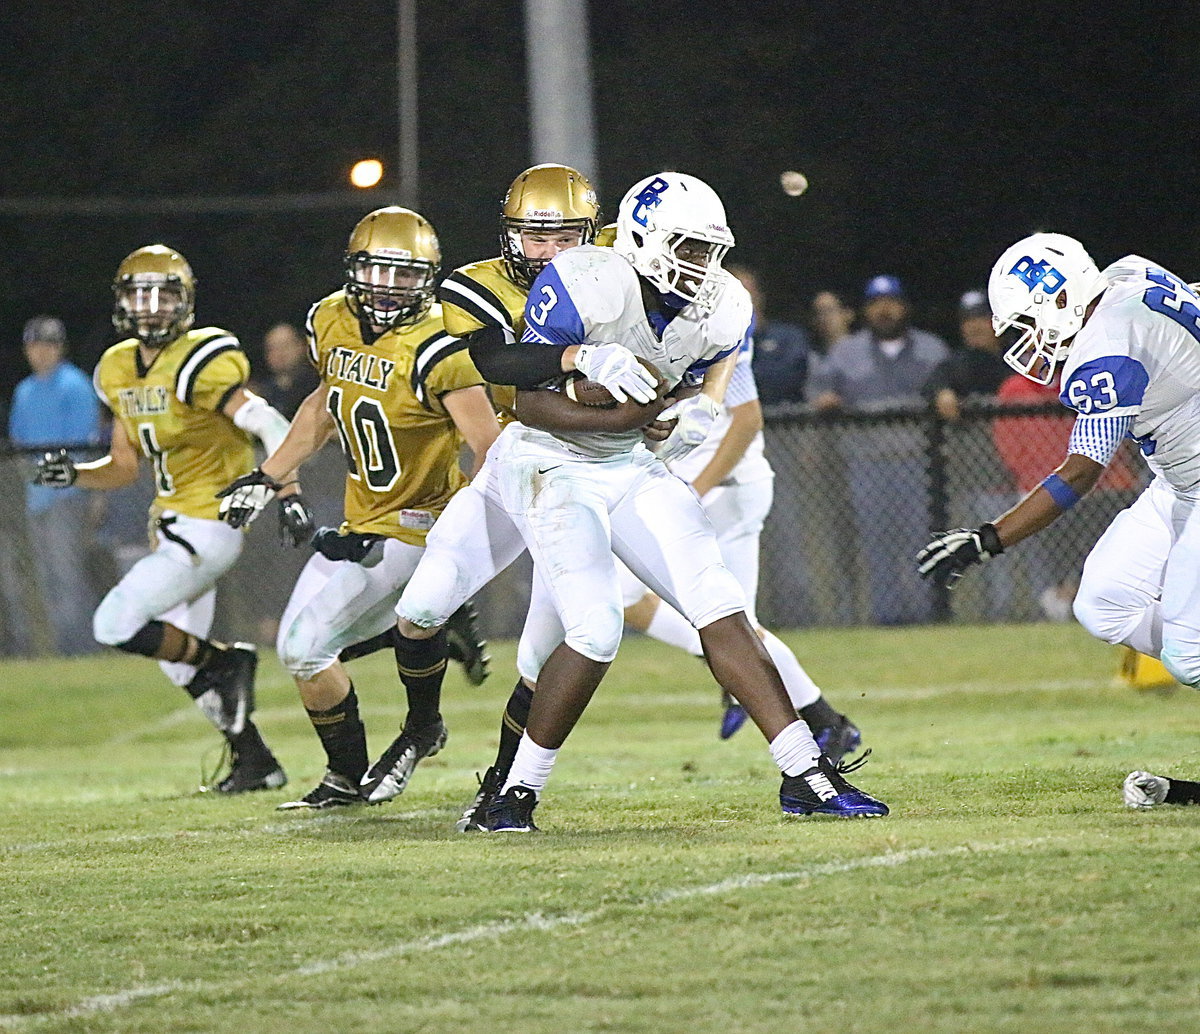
(1009,890)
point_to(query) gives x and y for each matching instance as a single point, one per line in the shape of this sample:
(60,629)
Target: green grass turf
(1010,890)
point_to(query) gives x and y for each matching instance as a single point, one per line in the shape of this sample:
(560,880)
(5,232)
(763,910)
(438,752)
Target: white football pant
(574,514)
(1141,581)
(337,603)
(171,585)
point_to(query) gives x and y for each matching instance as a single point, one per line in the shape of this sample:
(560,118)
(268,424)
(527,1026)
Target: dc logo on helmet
(649,198)
(1038,274)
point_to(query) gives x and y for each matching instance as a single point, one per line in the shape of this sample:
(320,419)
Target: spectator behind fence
(884,366)
(780,349)
(291,377)
(56,405)
(831,319)
(980,485)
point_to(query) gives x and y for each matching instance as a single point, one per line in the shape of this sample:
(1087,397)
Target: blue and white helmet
(656,216)
(1042,285)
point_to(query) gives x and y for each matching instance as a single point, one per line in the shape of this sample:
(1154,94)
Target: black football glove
(55,469)
(947,556)
(243,500)
(330,543)
(295,521)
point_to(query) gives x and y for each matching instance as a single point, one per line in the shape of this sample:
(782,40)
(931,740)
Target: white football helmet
(1042,285)
(656,217)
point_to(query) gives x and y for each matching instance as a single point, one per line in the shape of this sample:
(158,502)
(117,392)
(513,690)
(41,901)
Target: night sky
(933,135)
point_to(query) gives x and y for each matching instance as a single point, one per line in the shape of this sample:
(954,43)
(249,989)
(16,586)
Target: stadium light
(366,173)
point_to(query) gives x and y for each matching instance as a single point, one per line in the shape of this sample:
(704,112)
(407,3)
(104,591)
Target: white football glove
(1143,790)
(55,469)
(695,417)
(243,500)
(618,370)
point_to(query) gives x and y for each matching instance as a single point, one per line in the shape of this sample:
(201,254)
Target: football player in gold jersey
(178,397)
(402,395)
(547,209)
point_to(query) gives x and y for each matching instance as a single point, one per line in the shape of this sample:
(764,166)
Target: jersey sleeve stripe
(198,358)
(471,296)
(310,335)
(1099,437)
(742,388)
(429,353)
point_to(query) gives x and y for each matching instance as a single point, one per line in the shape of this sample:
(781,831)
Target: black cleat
(245,771)
(333,791)
(489,787)
(837,740)
(388,777)
(824,790)
(224,688)
(465,645)
(510,812)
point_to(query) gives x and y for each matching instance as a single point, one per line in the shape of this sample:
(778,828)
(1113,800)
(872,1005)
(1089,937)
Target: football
(586,392)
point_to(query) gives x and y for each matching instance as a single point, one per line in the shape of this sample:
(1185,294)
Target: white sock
(801,690)
(794,749)
(531,767)
(670,627)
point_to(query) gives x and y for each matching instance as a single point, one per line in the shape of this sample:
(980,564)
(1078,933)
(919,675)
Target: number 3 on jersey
(366,441)
(539,312)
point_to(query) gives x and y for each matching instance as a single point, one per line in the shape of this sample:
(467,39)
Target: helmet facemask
(671,228)
(389,291)
(524,270)
(1040,289)
(156,308)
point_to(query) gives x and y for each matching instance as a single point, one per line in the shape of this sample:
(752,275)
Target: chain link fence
(855,497)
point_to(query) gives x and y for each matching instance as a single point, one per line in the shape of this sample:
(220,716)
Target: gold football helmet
(154,296)
(546,198)
(392,265)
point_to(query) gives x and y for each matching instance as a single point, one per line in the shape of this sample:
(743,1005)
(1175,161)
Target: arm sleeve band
(1099,437)
(524,365)
(257,417)
(1063,494)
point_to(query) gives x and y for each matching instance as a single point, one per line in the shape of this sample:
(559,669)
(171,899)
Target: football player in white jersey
(1125,342)
(576,498)
(730,473)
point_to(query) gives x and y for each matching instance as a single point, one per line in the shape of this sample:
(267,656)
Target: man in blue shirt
(55,405)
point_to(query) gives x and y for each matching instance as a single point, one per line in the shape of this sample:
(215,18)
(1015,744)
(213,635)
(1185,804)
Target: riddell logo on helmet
(543,213)
(396,253)
(717,228)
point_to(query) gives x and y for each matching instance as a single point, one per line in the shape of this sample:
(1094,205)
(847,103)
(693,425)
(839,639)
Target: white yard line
(532,921)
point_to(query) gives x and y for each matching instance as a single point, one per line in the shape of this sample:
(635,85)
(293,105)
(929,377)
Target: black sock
(516,714)
(250,744)
(343,737)
(421,664)
(383,641)
(819,715)
(1182,791)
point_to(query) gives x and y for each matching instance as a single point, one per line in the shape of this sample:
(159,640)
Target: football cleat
(466,645)
(245,771)
(224,688)
(489,787)
(733,718)
(837,740)
(824,790)
(1144,790)
(388,777)
(510,812)
(333,791)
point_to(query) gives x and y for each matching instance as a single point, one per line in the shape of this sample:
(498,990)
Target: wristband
(1063,494)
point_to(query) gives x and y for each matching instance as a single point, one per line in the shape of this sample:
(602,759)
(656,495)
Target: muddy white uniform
(1134,370)
(576,499)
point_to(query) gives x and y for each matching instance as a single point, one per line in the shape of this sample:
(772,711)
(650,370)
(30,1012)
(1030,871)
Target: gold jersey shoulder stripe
(205,351)
(470,295)
(427,355)
(311,333)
